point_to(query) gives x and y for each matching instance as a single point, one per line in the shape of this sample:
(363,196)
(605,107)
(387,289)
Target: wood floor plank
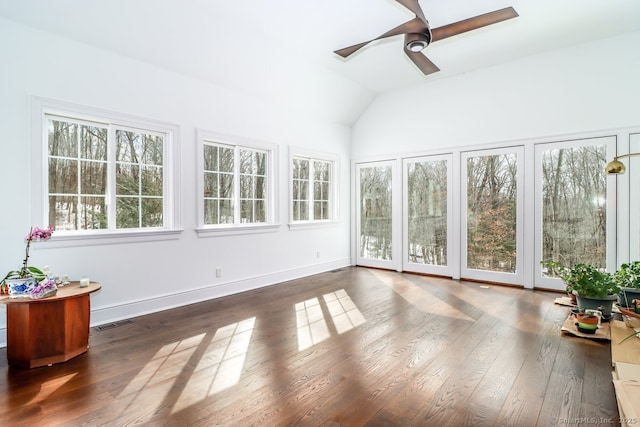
(351,347)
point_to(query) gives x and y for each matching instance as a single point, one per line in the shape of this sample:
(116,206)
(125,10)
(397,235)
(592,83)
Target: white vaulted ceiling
(283,49)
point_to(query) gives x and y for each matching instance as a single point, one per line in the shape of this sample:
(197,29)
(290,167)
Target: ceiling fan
(418,35)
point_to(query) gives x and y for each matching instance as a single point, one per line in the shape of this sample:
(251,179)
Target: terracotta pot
(586,321)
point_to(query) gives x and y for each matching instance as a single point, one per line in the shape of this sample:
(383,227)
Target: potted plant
(21,283)
(587,322)
(594,288)
(628,279)
(554,269)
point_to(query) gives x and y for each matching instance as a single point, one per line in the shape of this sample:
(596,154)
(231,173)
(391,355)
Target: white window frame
(311,156)
(272,220)
(42,109)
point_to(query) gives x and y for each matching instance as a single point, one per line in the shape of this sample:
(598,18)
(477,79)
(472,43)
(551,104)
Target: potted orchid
(22,282)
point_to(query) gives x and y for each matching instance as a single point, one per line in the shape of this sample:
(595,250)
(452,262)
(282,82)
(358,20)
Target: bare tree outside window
(427,216)
(491,212)
(139,180)
(574,198)
(77,175)
(376,209)
(224,166)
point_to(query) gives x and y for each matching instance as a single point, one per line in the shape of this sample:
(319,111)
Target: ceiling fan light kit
(418,34)
(417,42)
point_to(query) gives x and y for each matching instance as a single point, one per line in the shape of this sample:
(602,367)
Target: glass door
(575,222)
(492,215)
(427,215)
(375,214)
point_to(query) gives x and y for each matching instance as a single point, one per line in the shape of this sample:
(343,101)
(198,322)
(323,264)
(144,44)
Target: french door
(492,215)
(575,222)
(428,215)
(376,213)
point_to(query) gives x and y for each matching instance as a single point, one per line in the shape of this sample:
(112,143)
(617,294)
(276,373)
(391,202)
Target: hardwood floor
(353,347)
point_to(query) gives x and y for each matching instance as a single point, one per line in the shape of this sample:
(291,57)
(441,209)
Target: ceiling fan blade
(472,23)
(422,62)
(416,25)
(414,7)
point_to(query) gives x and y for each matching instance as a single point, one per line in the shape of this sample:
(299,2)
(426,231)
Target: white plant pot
(21,287)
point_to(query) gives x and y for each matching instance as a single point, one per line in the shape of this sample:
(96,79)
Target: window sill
(62,240)
(304,225)
(232,230)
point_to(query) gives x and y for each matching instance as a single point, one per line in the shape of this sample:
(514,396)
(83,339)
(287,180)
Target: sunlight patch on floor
(158,377)
(344,313)
(49,387)
(311,321)
(221,365)
(312,326)
(417,296)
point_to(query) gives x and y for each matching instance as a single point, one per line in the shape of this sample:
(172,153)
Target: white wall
(593,86)
(144,277)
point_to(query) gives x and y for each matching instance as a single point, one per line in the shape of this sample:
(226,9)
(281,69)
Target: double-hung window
(237,184)
(313,187)
(104,173)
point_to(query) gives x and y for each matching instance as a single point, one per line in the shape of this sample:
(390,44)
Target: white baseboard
(116,312)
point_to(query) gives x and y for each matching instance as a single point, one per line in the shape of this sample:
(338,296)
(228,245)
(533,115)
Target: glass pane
(211,184)
(63,212)
(211,158)
(260,211)
(93,213)
(260,188)
(127,179)
(63,176)
(246,187)
(491,213)
(300,210)
(226,186)
(93,143)
(152,149)
(247,163)
(226,212)
(63,139)
(226,156)
(574,198)
(321,171)
(375,212)
(320,210)
(211,212)
(127,212)
(127,146)
(151,181)
(246,211)
(94,177)
(261,163)
(151,212)
(301,169)
(427,216)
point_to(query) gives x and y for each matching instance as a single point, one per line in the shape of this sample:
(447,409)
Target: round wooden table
(50,330)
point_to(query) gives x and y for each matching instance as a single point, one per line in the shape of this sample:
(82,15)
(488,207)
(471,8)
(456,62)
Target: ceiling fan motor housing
(417,42)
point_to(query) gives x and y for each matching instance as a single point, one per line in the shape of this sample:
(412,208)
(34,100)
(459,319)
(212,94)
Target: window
(237,184)
(313,187)
(104,173)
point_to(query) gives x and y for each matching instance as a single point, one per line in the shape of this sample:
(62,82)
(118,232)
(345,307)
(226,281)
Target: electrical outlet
(218,272)
(318,254)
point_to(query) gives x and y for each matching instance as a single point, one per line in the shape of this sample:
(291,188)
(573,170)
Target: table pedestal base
(43,332)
